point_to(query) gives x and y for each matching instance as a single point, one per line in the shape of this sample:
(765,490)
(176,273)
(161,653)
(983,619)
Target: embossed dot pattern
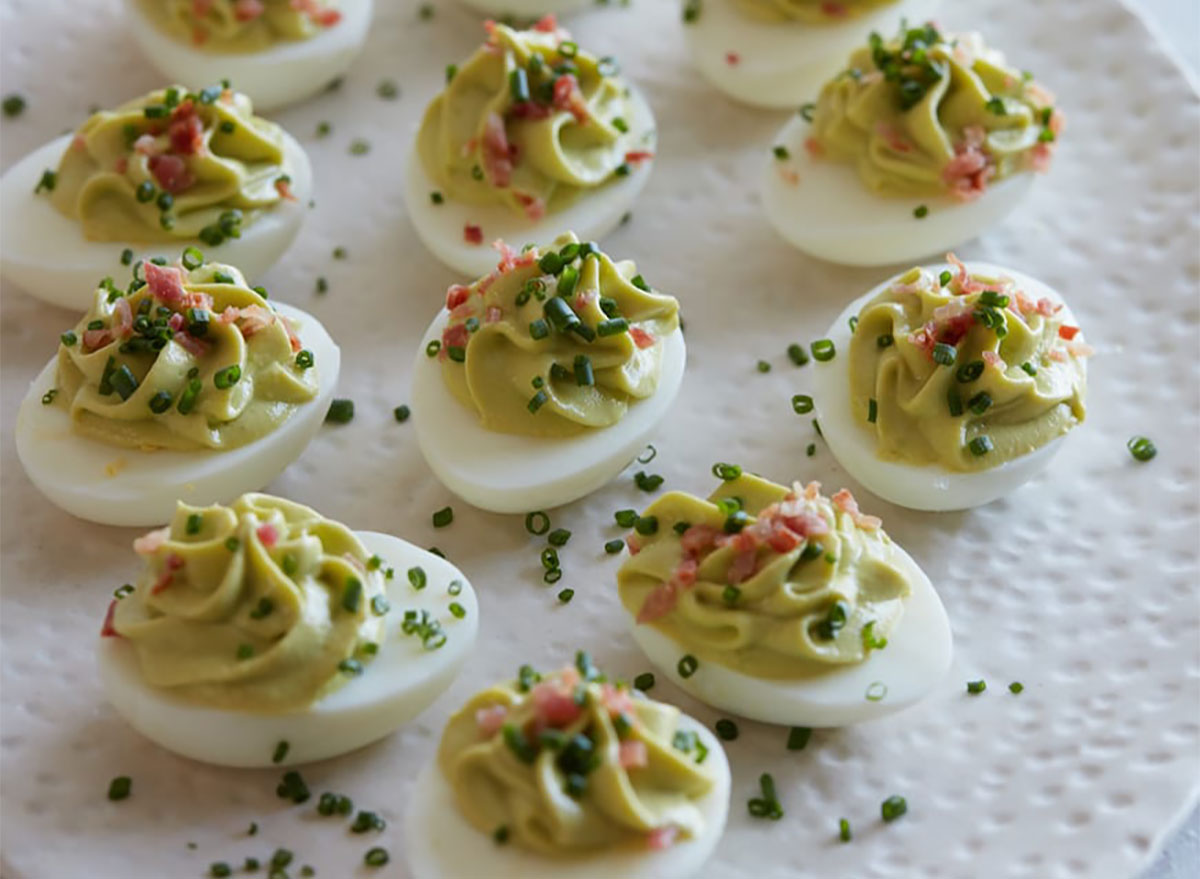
(1082,585)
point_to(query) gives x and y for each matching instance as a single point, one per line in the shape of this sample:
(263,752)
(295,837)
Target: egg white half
(914,662)
(401,681)
(280,75)
(823,208)
(931,487)
(46,254)
(782,64)
(521,9)
(510,473)
(118,486)
(591,216)
(439,843)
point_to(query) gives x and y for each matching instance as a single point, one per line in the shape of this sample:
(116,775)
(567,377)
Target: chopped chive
(954,403)
(687,666)
(646,525)
(626,518)
(417,578)
(1029,368)
(980,403)
(612,547)
(726,472)
(843,830)
(539,329)
(876,691)
(352,594)
(726,729)
(980,446)
(194,522)
(798,737)
(281,751)
(647,481)
(359,147)
(228,377)
(893,807)
(120,787)
(566,595)
(537,401)
(341,411)
(1016,687)
(376,857)
(559,537)
(731,594)
(781,152)
(457,610)
(613,326)
(872,410)
(537,522)
(1142,448)
(969,371)
(811,449)
(944,277)
(763,366)
(644,681)
(232,544)
(921,211)
(443,517)
(944,354)
(802,404)
(584,377)
(823,350)
(976,687)
(796,354)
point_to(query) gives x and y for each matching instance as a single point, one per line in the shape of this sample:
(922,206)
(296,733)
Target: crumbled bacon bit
(171,173)
(122,318)
(497,158)
(1067,332)
(174,563)
(991,358)
(165,283)
(284,187)
(534,207)
(254,319)
(196,347)
(1047,308)
(1080,348)
(834,9)
(472,234)
(845,502)
(635,156)
(149,542)
(641,338)
(633,754)
(661,838)
(493,314)
(94,340)
(616,700)
(456,295)
(547,24)
(185,131)
(248,10)
(733,59)
(176,321)
(489,719)
(554,703)
(107,630)
(147,145)
(121,165)
(267,535)
(567,96)
(967,174)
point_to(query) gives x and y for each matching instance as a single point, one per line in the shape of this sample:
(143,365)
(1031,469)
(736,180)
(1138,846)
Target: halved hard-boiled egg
(539,383)
(777,53)
(951,385)
(782,605)
(277,51)
(532,135)
(189,386)
(165,171)
(568,775)
(898,160)
(263,634)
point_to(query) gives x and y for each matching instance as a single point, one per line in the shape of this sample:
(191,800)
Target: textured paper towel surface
(1082,585)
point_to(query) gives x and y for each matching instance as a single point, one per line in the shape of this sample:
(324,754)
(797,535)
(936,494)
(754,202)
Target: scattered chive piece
(893,807)
(401,413)
(807,110)
(566,595)
(969,371)
(726,729)
(687,666)
(646,525)
(944,277)
(457,610)
(872,410)
(644,681)
(359,147)
(954,402)
(443,517)
(1016,687)
(281,751)
(768,805)
(781,152)
(14,105)
(341,411)
(796,354)
(798,737)
(823,350)
(376,857)
(921,212)
(731,594)
(811,450)
(763,366)
(726,472)
(245,651)
(980,446)
(417,578)
(350,667)
(232,544)
(500,835)
(843,830)
(944,354)
(219,868)
(119,788)
(802,404)
(647,481)
(559,537)
(537,522)
(980,403)
(647,456)
(352,594)
(1029,368)
(876,691)
(48,397)
(1142,448)
(613,547)
(976,687)
(387,89)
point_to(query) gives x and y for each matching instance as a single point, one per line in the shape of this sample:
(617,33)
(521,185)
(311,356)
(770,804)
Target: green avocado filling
(173,165)
(555,341)
(530,121)
(927,114)
(241,26)
(976,373)
(569,763)
(810,11)
(190,358)
(772,582)
(260,606)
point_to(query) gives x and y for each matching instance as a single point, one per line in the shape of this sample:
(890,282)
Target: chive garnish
(417,578)
(726,729)
(980,446)
(766,806)
(646,525)
(644,681)
(731,594)
(823,350)
(376,857)
(954,403)
(944,354)
(726,472)
(687,666)
(802,404)
(537,522)
(341,411)
(304,359)
(646,481)
(921,211)
(1142,448)
(798,737)
(893,807)
(1016,687)
(559,537)
(872,410)
(120,787)
(843,830)
(443,517)
(626,518)
(612,547)
(976,687)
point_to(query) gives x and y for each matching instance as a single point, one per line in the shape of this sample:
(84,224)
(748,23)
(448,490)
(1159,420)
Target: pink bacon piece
(845,502)
(490,719)
(633,754)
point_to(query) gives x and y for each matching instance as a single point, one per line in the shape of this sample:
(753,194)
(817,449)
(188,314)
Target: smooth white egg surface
(781,64)
(823,208)
(930,487)
(441,227)
(396,685)
(441,844)
(282,74)
(509,473)
(47,255)
(525,8)
(893,678)
(113,485)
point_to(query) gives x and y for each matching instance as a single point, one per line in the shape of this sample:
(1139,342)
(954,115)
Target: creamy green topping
(965,371)
(571,763)
(930,114)
(262,606)
(557,340)
(189,358)
(771,582)
(531,121)
(241,25)
(172,165)
(810,11)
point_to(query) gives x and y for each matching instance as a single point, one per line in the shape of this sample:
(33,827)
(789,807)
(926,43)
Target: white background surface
(1077,777)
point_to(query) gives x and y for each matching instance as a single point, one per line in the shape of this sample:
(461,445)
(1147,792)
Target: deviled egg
(776,53)
(782,605)
(951,385)
(532,135)
(921,143)
(278,51)
(167,170)
(263,634)
(539,382)
(189,385)
(569,776)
